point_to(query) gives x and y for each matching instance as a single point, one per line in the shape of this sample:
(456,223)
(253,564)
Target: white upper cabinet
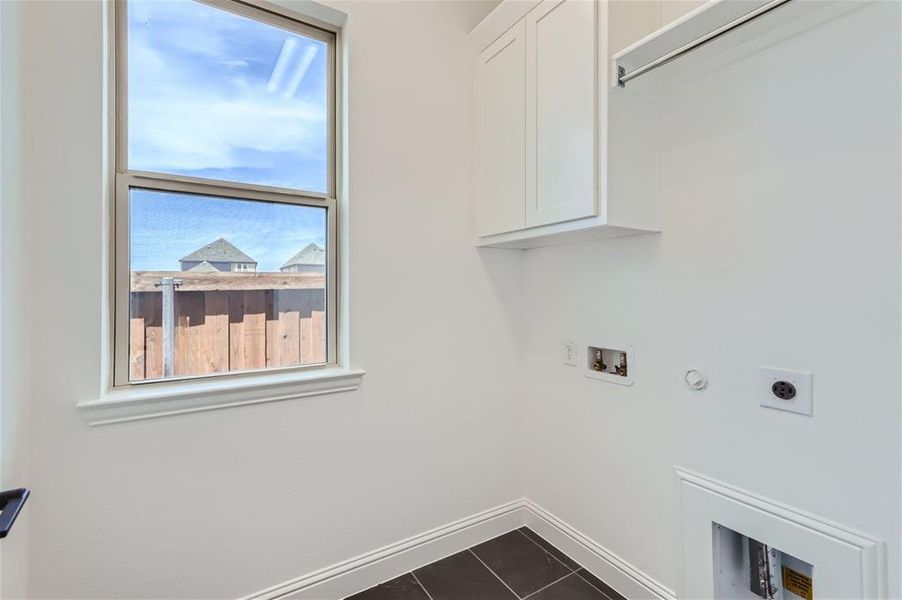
(543,146)
(560,111)
(501,169)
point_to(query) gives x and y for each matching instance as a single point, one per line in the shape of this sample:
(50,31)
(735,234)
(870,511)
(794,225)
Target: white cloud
(180,122)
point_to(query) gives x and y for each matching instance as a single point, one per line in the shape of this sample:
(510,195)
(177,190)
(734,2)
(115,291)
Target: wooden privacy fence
(227,322)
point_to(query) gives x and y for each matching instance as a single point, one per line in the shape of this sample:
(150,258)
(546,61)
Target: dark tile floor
(514,566)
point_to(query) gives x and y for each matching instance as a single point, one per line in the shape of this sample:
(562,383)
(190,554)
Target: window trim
(185,396)
(254,386)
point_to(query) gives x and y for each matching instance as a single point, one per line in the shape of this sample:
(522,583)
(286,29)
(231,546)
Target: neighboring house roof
(219,251)
(311,254)
(203,267)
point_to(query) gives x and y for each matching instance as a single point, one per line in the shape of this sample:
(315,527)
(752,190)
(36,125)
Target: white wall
(229,502)
(780,183)
(782,168)
(14,436)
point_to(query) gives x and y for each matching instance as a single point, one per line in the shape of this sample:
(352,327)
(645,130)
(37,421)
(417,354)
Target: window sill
(164,399)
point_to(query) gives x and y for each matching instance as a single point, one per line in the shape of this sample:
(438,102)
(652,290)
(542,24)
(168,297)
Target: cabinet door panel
(501,140)
(561,113)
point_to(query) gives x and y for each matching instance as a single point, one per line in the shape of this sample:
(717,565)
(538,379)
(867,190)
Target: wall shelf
(730,29)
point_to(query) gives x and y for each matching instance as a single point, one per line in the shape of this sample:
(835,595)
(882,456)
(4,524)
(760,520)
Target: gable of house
(220,255)
(310,255)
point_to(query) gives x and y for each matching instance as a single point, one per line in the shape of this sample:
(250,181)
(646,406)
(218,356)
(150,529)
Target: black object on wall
(11,502)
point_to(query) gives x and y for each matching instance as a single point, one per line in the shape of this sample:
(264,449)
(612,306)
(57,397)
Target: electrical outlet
(570,357)
(786,390)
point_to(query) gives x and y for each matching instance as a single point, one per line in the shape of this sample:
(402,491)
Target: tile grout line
(570,574)
(603,593)
(543,549)
(420,583)
(572,571)
(516,595)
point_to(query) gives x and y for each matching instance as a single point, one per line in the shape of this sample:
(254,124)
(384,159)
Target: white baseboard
(604,564)
(362,572)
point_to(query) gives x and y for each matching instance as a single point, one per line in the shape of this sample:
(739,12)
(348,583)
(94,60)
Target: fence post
(168,284)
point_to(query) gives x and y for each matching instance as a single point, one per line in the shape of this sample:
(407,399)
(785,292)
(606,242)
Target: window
(225,176)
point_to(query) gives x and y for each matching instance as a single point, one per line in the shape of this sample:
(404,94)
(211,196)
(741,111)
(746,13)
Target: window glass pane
(220,285)
(217,95)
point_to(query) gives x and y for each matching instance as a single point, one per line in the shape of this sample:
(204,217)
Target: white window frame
(124,400)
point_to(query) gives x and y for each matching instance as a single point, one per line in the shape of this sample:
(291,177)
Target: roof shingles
(311,254)
(219,251)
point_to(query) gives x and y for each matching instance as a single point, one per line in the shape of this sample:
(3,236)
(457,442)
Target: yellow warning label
(798,584)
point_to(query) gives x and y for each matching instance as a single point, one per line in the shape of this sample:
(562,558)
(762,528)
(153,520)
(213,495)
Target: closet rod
(623,76)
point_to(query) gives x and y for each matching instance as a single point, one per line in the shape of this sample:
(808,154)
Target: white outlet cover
(803,403)
(570,353)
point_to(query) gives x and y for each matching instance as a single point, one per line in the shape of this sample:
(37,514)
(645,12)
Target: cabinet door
(560,111)
(501,139)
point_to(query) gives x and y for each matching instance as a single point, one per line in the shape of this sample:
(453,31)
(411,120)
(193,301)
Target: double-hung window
(225,192)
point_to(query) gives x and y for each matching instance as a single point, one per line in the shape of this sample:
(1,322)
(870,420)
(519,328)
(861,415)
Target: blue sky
(166,227)
(213,94)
